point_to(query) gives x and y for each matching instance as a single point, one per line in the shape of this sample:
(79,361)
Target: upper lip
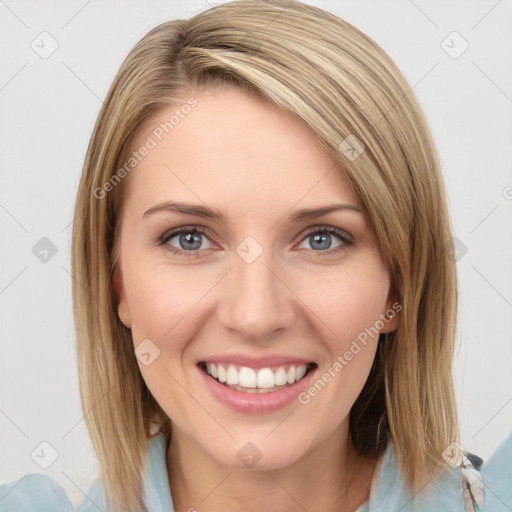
(255,361)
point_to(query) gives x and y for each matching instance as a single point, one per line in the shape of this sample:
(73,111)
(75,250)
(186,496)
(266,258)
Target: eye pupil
(319,238)
(189,238)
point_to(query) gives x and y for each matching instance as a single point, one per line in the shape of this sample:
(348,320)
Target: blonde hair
(339,82)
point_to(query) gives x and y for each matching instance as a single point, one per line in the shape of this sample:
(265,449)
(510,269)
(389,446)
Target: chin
(259,452)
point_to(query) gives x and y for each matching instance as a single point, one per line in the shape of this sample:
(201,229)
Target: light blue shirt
(36,492)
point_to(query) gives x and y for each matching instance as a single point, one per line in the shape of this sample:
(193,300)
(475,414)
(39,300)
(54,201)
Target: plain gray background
(49,104)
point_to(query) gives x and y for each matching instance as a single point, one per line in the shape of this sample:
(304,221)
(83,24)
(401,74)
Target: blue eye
(187,236)
(320,238)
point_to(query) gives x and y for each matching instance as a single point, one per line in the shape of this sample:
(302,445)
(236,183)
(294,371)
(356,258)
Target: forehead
(230,149)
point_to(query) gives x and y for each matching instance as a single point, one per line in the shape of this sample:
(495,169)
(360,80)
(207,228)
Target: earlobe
(392,314)
(122,305)
(391,321)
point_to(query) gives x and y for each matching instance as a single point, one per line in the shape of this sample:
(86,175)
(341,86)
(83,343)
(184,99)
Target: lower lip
(256,403)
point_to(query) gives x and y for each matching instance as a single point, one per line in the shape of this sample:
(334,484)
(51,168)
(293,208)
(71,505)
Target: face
(257,297)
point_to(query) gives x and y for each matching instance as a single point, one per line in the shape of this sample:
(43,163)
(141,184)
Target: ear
(393,308)
(123,310)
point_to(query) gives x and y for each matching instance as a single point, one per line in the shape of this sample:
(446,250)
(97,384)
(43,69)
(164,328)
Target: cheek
(162,310)
(161,302)
(348,303)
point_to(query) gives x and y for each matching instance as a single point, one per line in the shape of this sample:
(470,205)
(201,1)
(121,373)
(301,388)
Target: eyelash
(344,237)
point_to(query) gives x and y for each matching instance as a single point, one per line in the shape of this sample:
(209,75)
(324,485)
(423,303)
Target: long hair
(339,83)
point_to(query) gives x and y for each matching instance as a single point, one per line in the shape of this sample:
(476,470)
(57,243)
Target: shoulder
(157,494)
(37,492)
(497,475)
(34,492)
(390,492)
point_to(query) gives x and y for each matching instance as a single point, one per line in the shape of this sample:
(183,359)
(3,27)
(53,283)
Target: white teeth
(247,377)
(256,380)
(221,373)
(300,372)
(231,375)
(265,378)
(280,377)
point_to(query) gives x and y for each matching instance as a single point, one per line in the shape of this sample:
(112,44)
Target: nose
(256,299)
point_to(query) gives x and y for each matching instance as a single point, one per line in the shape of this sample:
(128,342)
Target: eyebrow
(209,213)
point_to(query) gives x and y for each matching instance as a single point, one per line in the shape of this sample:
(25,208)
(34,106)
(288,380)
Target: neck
(330,477)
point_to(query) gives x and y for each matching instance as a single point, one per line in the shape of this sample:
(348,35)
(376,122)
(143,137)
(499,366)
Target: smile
(250,380)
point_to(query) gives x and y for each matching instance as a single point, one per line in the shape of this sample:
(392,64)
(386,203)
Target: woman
(257,369)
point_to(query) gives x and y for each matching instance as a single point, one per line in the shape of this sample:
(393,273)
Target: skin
(256,164)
